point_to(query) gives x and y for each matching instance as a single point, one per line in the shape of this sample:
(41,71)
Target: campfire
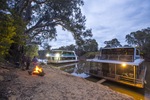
(37,71)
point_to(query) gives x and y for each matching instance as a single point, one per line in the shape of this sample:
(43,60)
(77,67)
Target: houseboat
(123,65)
(61,56)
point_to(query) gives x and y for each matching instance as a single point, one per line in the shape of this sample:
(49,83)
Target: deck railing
(127,58)
(129,79)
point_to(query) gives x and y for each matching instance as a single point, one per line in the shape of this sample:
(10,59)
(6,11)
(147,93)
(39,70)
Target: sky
(109,19)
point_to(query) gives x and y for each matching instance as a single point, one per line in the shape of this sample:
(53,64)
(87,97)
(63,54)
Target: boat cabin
(121,54)
(61,56)
(122,65)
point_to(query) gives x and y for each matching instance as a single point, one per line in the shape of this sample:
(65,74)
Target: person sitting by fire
(36,69)
(35,61)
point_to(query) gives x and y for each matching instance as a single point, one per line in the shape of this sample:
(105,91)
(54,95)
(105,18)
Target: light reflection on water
(77,69)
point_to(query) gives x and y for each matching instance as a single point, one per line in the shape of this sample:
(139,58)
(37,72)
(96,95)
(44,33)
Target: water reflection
(137,93)
(76,69)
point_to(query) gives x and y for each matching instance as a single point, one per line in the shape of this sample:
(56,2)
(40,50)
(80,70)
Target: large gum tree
(38,19)
(43,16)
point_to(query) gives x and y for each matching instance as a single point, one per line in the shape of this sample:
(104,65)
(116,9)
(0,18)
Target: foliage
(70,47)
(20,37)
(112,43)
(31,50)
(7,32)
(42,54)
(46,46)
(90,55)
(140,39)
(90,45)
(3,4)
(127,45)
(11,32)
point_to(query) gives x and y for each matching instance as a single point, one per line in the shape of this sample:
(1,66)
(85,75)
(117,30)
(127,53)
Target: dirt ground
(16,84)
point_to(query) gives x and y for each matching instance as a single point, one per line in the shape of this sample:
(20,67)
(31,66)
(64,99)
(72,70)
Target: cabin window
(118,51)
(127,71)
(99,66)
(112,69)
(68,58)
(68,53)
(131,51)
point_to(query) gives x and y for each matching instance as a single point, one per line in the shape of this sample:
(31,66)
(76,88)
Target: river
(77,69)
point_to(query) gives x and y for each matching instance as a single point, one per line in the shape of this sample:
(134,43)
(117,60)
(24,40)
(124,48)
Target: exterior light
(124,65)
(47,55)
(57,55)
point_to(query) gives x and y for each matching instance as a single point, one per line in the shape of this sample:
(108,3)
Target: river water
(77,69)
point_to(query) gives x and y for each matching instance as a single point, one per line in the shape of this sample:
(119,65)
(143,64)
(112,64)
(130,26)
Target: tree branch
(39,22)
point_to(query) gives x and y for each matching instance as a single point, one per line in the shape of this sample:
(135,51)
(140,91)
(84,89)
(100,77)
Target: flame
(37,70)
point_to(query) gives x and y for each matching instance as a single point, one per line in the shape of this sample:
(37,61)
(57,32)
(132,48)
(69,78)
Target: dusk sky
(110,19)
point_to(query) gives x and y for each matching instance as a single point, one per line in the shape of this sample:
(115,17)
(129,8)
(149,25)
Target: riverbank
(16,84)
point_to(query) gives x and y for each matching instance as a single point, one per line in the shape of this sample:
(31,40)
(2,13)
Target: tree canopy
(43,16)
(31,50)
(140,39)
(71,47)
(7,31)
(90,45)
(112,43)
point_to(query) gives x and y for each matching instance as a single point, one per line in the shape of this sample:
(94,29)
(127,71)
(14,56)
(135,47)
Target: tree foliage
(140,39)
(46,46)
(31,50)
(112,43)
(127,45)
(90,45)
(42,54)
(71,47)
(7,32)
(11,31)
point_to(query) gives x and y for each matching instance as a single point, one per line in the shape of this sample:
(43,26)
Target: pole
(134,74)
